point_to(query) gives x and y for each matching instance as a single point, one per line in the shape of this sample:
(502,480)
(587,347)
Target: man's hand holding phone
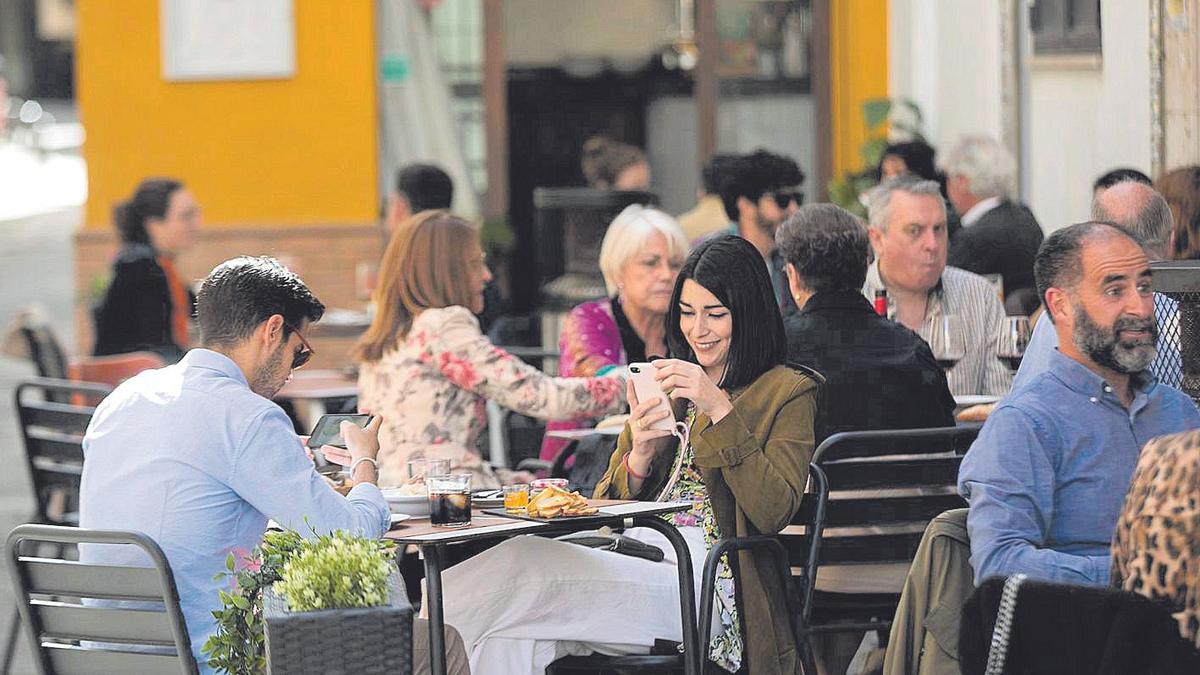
(360,450)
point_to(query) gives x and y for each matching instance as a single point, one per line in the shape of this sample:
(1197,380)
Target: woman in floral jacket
(427,368)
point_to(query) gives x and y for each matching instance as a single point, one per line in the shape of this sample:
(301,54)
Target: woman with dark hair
(743,464)
(147,306)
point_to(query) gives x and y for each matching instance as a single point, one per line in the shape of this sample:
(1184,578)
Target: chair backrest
(45,350)
(112,370)
(885,487)
(71,626)
(52,432)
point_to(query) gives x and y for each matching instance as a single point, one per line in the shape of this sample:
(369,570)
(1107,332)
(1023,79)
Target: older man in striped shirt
(907,218)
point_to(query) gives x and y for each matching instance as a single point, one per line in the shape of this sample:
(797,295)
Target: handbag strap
(1003,630)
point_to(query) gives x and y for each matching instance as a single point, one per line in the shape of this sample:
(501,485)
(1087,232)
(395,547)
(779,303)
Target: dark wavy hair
(149,200)
(827,245)
(731,268)
(241,293)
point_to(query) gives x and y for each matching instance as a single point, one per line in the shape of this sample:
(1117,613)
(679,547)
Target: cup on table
(449,499)
(423,468)
(516,497)
(1014,337)
(944,334)
(542,483)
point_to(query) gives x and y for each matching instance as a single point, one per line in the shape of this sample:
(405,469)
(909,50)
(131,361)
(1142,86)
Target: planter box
(364,640)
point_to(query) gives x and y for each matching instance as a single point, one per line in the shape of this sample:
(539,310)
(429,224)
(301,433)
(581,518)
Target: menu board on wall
(228,39)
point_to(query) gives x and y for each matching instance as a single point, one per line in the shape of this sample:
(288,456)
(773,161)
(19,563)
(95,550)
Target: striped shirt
(981,315)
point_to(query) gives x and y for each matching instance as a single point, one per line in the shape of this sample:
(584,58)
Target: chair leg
(807,660)
(10,645)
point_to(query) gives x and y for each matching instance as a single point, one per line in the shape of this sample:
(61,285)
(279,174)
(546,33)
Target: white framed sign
(228,39)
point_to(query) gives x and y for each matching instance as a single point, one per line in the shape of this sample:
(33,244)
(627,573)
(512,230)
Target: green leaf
(875,112)
(240,602)
(872,150)
(229,562)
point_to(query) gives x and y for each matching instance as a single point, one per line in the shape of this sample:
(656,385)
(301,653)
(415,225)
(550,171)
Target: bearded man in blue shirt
(1048,474)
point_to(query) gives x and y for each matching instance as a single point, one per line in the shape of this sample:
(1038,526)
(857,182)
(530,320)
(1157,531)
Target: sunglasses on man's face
(304,353)
(784,199)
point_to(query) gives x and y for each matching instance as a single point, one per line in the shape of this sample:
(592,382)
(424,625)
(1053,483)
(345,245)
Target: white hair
(989,169)
(879,198)
(628,235)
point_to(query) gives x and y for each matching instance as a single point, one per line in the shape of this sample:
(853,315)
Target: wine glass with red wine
(945,336)
(1014,338)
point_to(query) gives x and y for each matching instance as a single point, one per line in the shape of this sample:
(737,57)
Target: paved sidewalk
(36,266)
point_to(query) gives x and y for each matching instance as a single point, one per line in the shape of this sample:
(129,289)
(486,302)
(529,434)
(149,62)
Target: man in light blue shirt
(197,456)
(1048,474)
(1140,209)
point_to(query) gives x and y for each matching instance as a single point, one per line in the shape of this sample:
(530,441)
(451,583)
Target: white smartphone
(646,388)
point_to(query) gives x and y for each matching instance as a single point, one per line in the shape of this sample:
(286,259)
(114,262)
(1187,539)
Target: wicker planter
(364,640)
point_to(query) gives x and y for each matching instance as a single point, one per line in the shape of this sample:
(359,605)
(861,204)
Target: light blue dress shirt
(190,456)
(1048,474)
(1167,366)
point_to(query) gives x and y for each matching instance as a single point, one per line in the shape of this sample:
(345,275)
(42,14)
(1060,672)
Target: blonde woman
(640,257)
(427,368)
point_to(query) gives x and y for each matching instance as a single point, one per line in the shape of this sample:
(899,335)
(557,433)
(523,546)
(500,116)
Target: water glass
(437,467)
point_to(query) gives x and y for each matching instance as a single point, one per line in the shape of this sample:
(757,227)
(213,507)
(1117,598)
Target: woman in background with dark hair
(148,306)
(743,465)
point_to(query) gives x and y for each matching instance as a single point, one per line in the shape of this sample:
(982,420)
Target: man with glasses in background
(758,192)
(197,456)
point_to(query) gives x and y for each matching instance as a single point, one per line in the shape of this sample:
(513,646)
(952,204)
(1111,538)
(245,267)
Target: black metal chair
(72,629)
(884,488)
(52,430)
(803,536)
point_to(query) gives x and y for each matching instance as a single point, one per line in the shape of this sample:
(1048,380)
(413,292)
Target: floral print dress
(686,485)
(432,389)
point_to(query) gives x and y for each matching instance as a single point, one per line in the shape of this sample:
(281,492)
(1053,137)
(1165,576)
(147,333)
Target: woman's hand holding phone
(683,379)
(647,441)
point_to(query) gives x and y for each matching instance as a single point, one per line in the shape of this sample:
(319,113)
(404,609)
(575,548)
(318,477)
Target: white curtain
(416,122)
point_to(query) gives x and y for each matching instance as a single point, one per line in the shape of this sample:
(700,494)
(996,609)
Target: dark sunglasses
(305,353)
(783,199)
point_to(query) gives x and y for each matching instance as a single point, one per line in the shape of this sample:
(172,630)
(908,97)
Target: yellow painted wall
(858,48)
(256,153)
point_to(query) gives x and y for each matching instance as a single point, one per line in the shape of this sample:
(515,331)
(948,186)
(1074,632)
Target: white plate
(400,517)
(968,400)
(412,505)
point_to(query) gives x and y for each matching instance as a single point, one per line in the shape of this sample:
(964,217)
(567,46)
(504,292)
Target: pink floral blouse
(432,388)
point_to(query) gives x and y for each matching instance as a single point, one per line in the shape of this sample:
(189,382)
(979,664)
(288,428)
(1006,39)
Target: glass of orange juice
(516,497)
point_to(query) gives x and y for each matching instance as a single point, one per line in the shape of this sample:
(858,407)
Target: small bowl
(536,486)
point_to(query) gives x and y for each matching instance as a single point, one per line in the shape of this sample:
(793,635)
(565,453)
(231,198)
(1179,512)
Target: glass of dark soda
(449,499)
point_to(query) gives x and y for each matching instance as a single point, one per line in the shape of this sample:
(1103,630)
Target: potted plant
(331,603)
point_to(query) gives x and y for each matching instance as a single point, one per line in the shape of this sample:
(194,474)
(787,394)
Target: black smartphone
(328,430)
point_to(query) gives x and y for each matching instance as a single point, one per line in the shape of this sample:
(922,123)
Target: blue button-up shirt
(188,455)
(1048,474)
(1167,365)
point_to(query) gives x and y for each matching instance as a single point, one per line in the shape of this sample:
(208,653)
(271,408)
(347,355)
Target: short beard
(1101,345)
(767,225)
(265,377)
